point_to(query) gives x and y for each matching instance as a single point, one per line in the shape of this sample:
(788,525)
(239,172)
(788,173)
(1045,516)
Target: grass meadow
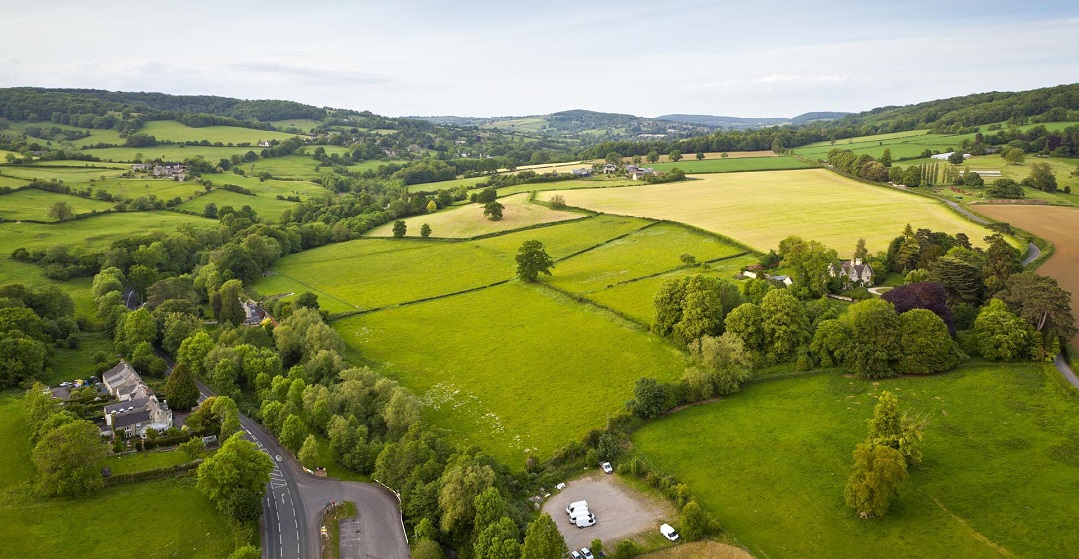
(462,222)
(761,209)
(515,368)
(166,519)
(164,189)
(1062,167)
(67,174)
(13,182)
(729,165)
(178,132)
(1059,226)
(170,152)
(31,203)
(999,477)
(304,124)
(13,271)
(93,232)
(265,205)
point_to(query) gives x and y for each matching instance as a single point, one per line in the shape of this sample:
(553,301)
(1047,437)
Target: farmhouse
(785,280)
(582,173)
(638,173)
(139,167)
(854,272)
(175,171)
(264,143)
(253,313)
(138,408)
(609,169)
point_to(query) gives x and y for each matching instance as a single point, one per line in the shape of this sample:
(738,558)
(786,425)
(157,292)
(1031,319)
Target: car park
(575,504)
(668,532)
(606,467)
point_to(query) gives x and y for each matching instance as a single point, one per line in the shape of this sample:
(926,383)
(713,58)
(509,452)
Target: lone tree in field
(878,473)
(675,156)
(493,210)
(532,261)
(61,211)
(399,228)
(425,230)
(700,155)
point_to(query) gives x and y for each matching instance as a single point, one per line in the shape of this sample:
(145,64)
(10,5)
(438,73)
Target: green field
(304,124)
(594,182)
(645,252)
(761,209)
(170,152)
(178,132)
(70,364)
(173,520)
(13,182)
(31,203)
(635,298)
(768,163)
(1062,168)
(142,461)
(96,136)
(514,368)
(67,174)
(374,273)
(265,205)
(13,271)
(1000,475)
(462,222)
(164,189)
(93,232)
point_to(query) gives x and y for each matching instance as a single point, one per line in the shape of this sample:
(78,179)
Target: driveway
(621,511)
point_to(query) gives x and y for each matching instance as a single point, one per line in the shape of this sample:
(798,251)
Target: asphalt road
(1033,252)
(1065,370)
(295,499)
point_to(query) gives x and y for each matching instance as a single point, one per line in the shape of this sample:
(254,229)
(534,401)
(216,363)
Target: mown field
(164,189)
(515,368)
(1000,475)
(458,222)
(760,209)
(729,165)
(166,519)
(594,182)
(374,273)
(31,203)
(1058,225)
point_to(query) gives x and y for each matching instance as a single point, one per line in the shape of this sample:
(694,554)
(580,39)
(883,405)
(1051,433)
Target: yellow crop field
(462,222)
(761,209)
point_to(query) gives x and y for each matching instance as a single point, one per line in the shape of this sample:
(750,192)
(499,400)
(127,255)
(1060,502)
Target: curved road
(294,501)
(1065,370)
(1033,252)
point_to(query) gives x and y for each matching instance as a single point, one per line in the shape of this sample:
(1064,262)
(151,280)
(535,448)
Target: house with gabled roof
(138,408)
(854,272)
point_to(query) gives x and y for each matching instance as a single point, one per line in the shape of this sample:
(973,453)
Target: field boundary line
(611,240)
(977,535)
(312,288)
(631,322)
(346,314)
(672,270)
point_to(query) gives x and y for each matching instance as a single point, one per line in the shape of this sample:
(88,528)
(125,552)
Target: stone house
(854,272)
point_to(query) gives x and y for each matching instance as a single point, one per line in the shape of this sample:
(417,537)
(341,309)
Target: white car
(668,532)
(606,467)
(575,555)
(575,504)
(585,521)
(587,553)
(578,512)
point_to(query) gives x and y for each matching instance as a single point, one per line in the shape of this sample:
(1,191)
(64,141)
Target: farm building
(854,272)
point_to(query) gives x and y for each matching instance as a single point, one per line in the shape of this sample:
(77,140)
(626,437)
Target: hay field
(1000,467)
(692,165)
(462,222)
(513,368)
(761,209)
(31,203)
(1061,227)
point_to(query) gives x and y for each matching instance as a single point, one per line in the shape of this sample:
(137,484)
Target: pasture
(1058,225)
(170,152)
(93,232)
(515,369)
(67,174)
(36,527)
(374,273)
(999,477)
(462,222)
(761,209)
(31,203)
(265,205)
(179,132)
(304,124)
(13,271)
(12,182)
(164,189)
(773,163)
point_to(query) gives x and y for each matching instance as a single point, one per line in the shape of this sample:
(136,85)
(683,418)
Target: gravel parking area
(621,511)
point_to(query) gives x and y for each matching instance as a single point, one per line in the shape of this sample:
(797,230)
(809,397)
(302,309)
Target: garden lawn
(468,221)
(35,527)
(766,163)
(649,251)
(93,232)
(1001,464)
(70,364)
(31,203)
(515,368)
(375,273)
(635,298)
(761,209)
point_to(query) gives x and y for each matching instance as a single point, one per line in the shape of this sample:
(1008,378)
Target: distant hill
(583,125)
(740,123)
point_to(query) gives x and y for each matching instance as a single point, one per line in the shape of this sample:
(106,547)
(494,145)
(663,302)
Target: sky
(754,58)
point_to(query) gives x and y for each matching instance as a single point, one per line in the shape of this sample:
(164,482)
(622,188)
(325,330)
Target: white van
(575,504)
(585,521)
(668,532)
(578,513)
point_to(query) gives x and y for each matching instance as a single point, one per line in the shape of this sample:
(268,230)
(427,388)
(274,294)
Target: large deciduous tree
(922,295)
(1000,334)
(784,324)
(532,260)
(925,344)
(542,540)
(879,471)
(808,262)
(66,458)
(237,472)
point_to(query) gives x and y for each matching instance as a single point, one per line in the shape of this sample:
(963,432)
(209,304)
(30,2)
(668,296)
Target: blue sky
(484,58)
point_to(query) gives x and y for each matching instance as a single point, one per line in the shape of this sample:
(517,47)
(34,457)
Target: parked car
(575,504)
(668,532)
(585,521)
(575,555)
(587,553)
(578,512)
(606,467)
